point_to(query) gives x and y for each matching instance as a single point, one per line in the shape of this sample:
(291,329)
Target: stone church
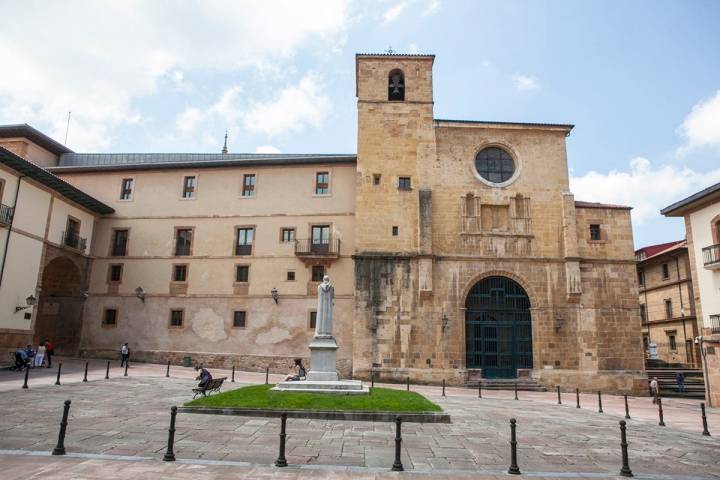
(456,249)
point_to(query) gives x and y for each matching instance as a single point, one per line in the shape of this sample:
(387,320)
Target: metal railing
(243,249)
(714,323)
(711,256)
(72,239)
(331,248)
(6,214)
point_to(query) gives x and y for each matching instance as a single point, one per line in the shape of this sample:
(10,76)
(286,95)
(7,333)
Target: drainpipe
(12,219)
(682,310)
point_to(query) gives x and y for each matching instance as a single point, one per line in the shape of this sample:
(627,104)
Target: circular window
(495,165)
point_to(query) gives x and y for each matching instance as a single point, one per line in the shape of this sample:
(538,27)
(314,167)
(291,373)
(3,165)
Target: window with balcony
(242,273)
(244,240)
(119,243)
(239,318)
(189,187)
(176,318)
(248,185)
(320,238)
(322,183)
(183,241)
(180,273)
(71,235)
(126,189)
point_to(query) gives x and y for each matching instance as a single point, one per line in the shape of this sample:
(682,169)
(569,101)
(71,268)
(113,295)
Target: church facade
(456,249)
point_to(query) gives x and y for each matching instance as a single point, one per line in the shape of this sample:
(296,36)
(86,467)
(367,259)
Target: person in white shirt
(39,356)
(125,354)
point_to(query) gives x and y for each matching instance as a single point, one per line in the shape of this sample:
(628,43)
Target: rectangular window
(320,238)
(313,320)
(643,312)
(287,235)
(248,185)
(641,277)
(318,272)
(404,183)
(176,318)
(115,274)
(673,342)
(668,309)
(376,179)
(239,319)
(290,276)
(183,241)
(322,183)
(110,317)
(242,273)
(126,190)
(595,231)
(189,187)
(244,243)
(665,271)
(180,273)
(119,244)
(395,231)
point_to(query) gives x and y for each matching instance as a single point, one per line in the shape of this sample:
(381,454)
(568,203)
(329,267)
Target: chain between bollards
(267,375)
(625,470)
(600,410)
(57,381)
(281,461)
(443,392)
(408,383)
(660,412)
(516,397)
(126,367)
(627,408)
(167,372)
(514,469)
(107,371)
(577,397)
(27,374)
(169,453)
(60,447)
(86,369)
(397,465)
(232,379)
(706,432)
(559,399)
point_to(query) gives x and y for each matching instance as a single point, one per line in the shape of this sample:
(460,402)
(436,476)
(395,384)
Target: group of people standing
(28,357)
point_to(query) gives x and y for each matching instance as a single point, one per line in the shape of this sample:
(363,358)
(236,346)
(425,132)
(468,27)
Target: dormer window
(396,86)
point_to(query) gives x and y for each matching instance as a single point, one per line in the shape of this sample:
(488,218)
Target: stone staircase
(523,384)
(694,381)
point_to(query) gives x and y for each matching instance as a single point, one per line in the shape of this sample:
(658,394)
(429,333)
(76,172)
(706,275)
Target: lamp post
(140,293)
(703,354)
(274,294)
(30,301)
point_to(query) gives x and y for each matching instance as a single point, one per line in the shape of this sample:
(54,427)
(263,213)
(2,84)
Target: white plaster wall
(708,280)
(58,221)
(32,209)
(19,280)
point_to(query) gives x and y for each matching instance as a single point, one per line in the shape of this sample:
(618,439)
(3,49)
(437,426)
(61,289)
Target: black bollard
(443,393)
(625,470)
(397,465)
(577,396)
(85,376)
(57,381)
(107,371)
(281,461)
(514,469)
(267,375)
(232,379)
(408,383)
(60,447)
(27,373)
(706,432)
(516,397)
(627,409)
(480,389)
(167,372)
(600,410)
(169,453)
(559,399)
(660,412)
(126,367)
(372,379)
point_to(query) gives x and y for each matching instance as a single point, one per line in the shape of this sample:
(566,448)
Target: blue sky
(640,80)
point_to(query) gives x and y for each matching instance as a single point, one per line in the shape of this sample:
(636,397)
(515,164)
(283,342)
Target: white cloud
(98,58)
(643,187)
(702,125)
(267,149)
(432,8)
(393,13)
(291,110)
(525,82)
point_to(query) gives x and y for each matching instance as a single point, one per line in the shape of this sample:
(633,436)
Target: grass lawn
(260,396)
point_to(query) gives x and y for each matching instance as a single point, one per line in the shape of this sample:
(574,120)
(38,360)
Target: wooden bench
(212,386)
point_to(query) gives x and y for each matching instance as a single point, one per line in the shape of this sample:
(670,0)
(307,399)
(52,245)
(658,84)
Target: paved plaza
(118,429)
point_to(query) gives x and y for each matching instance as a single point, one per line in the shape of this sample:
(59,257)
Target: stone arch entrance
(59,317)
(498,330)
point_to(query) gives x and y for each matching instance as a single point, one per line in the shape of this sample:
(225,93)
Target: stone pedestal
(323,366)
(340,387)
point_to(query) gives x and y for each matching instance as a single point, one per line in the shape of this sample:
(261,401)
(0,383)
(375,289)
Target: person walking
(654,389)
(680,379)
(124,354)
(39,356)
(49,352)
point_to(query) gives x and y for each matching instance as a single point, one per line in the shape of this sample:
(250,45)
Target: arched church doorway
(498,330)
(59,317)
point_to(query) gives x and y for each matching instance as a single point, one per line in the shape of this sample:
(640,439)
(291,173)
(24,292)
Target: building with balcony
(701,212)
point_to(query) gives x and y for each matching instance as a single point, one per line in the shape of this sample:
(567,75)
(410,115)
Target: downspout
(12,219)
(682,310)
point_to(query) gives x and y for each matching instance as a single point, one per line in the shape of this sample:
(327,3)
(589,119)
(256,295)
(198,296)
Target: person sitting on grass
(204,376)
(297,371)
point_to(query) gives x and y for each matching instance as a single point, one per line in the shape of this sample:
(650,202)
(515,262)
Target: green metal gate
(498,331)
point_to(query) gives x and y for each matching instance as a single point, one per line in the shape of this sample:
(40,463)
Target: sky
(640,80)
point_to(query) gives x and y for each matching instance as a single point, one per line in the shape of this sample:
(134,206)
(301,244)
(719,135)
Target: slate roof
(35,136)
(678,208)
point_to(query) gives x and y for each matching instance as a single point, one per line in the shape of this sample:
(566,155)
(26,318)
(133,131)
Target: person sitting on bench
(204,376)
(297,371)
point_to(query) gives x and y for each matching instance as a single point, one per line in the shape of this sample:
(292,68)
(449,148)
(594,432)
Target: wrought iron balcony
(714,324)
(711,256)
(310,248)
(73,240)
(6,214)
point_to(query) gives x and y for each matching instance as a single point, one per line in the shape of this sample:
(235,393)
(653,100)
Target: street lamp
(30,301)
(703,353)
(140,293)
(274,294)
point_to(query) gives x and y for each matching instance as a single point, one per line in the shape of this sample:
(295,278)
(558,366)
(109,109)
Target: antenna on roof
(67,128)
(224,149)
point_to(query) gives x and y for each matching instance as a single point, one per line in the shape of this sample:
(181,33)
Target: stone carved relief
(496,226)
